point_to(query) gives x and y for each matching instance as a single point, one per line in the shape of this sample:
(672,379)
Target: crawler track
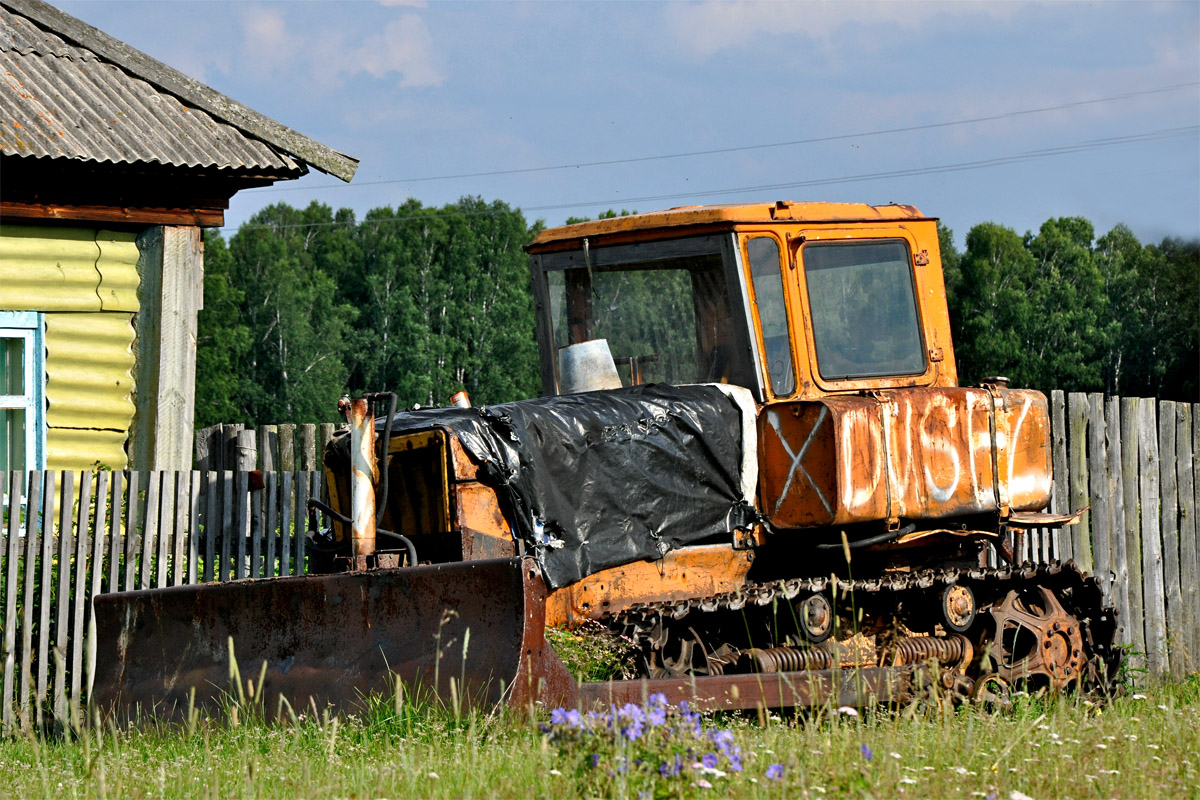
(1042,625)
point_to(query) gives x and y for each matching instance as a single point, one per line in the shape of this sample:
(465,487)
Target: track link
(1079,596)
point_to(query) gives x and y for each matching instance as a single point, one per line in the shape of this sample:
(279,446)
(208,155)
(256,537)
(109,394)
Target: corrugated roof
(60,101)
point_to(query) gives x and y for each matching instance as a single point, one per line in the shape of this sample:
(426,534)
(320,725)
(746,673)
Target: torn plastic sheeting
(596,480)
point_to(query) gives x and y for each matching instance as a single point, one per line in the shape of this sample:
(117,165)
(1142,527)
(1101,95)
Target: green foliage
(305,305)
(592,652)
(1062,310)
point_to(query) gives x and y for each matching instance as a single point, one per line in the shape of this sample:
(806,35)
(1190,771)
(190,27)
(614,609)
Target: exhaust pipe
(364,471)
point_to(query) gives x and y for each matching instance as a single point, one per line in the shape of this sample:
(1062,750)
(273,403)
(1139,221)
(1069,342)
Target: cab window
(864,310)
(763,253)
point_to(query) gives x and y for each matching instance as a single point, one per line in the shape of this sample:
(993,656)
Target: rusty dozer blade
(474,631)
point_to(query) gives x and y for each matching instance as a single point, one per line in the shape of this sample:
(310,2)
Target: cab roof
(784,211)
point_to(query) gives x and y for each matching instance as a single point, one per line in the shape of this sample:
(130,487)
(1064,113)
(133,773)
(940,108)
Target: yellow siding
(89,388)
(67,269)
(68,448)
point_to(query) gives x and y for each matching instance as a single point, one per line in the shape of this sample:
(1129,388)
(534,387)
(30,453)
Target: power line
(742,148)
(1078,147)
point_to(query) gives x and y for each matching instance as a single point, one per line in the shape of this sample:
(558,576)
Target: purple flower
(559,716)
(657,700)
(775,772)
(573,718)
(866,751)
(710,760)
(735,760)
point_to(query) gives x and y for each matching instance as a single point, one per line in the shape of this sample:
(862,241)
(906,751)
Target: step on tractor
(752,459)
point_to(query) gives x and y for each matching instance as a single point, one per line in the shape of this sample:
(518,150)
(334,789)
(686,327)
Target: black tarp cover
(600,479)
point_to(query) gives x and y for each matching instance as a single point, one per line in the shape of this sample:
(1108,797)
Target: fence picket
(302,490)
(271,500)
(193,529)
(115,540)
(1135,619)
(79,594)
(285,523)
(1188,576)
(166,527)
(1113,488)
(1077,479)
(287,447)
(150,531)
(256,533)
(102,490)
(63,592)
(132,518)
(12,560)
(212,526)
(1060,500)
(241,522)
(1098,495)
(308,447)
(34,523)
(1169,527)
(227,533)
(45,580)
(1153,589)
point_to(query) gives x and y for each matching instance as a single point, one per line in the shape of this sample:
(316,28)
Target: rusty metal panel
(485,531)
(681,574)
(89,388)
(924,453)
(67,269)
(1023,432)
(472,631)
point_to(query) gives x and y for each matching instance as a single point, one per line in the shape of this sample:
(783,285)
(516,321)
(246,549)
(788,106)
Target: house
(111,164)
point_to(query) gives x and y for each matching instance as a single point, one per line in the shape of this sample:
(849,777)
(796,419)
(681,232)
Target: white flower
(1101,746)
(1162,707)
(1139,697)
(555,772)
(848,711)
(895,756)
(909,781)
(433,775)
(1019,796)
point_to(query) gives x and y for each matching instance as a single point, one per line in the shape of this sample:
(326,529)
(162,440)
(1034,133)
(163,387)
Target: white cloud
(404,46)
(329,56)
(708,27)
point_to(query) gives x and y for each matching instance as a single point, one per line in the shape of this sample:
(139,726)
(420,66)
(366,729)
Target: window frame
(756,320)
(849,237)
(29,327)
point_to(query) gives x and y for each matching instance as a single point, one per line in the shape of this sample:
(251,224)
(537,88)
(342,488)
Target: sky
(1008,112)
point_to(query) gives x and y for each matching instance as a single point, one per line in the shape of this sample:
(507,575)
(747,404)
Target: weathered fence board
(67,537)
(1077,480)
(1169,525)
(1188,576)
(1153,586)
(270,448)
(1098,495)
(1117,541)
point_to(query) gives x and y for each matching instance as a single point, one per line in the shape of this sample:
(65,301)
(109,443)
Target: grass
(1143,745)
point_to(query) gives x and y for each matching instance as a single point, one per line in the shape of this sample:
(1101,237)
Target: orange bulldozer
(752,459)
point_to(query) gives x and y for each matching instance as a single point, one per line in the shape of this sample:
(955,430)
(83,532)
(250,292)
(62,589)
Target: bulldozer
(751,459)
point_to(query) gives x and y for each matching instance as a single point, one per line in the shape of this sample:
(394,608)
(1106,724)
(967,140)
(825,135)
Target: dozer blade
(471,630)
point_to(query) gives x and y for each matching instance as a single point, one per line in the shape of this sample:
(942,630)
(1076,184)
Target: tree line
(304,305)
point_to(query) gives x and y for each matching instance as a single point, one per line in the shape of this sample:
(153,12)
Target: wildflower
(775,772)
(710,760)
(703,784)
(555,772)
(1018,796)
(847,710)
(866,751)
(1101,746)
(433,775)
(908,781)
(1139,697)
(895,755)
(558,716)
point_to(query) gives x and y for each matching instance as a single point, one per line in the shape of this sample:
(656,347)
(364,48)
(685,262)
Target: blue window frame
(22,390)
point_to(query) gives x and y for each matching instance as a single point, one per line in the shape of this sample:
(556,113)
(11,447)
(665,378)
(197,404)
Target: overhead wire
(745,148)
(1048,152)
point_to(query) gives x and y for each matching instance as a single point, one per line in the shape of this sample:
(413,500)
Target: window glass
(864,310)
(763,252)
(666,320)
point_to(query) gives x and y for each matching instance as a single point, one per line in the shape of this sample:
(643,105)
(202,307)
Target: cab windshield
(666,319)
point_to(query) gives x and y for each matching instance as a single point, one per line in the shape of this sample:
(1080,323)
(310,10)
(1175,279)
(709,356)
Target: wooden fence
(69,536)
(66,537)
(1134,462)
(271,448)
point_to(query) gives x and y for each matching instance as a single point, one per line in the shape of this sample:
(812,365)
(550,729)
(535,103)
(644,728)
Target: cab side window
(763,253)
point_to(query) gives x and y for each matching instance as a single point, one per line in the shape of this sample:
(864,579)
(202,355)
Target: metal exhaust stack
(364,471)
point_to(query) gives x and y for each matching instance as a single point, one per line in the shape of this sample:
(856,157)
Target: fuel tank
(923,453)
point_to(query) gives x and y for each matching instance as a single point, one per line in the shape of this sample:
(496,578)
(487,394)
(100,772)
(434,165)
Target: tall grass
(1138,745)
